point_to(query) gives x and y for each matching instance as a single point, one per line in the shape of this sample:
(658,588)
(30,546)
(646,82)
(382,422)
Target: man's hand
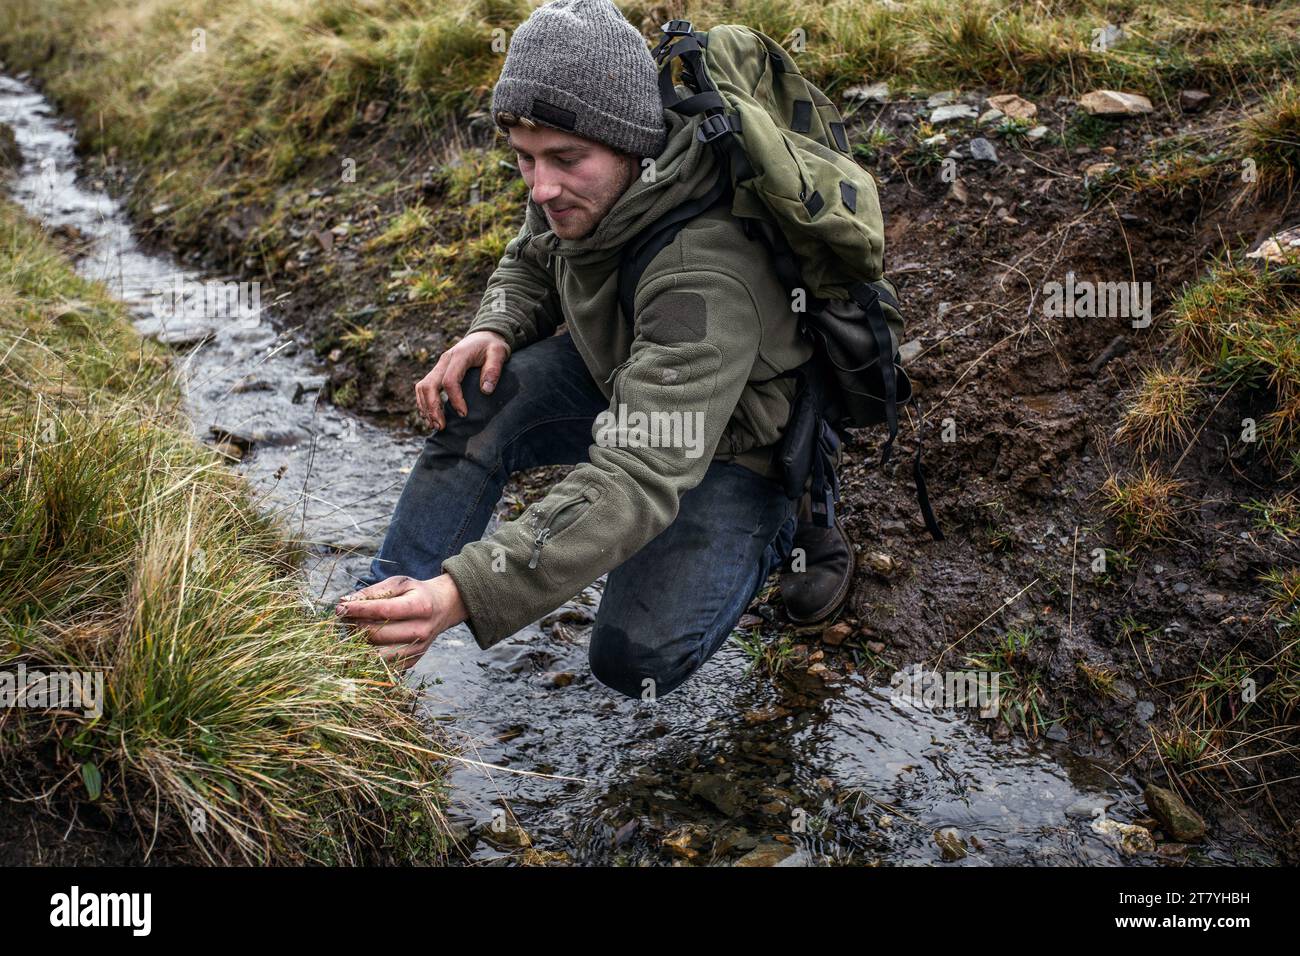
(403,615)
(486,349)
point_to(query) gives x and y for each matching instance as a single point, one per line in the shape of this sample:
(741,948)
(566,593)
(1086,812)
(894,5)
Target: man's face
(576,181)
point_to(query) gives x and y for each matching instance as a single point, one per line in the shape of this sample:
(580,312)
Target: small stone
(1178,819)
(767,854)
(881,563)
(1017,107)
(185,337)
(837,634)
(911,348)
(1085,808)
(940,99)
(1038,132)
(1128,838)
(763,715)
(1098,170)
(557,679)
(683,841)
(982,150)
(989,116)
(951,845)
(1144,710)
(374,111)
(229,450)
(957,111)
(1281,247)
(873,93)
(1114,103)
(938,139)
(1192,101)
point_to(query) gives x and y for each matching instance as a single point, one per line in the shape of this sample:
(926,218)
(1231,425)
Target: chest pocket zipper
(564,514)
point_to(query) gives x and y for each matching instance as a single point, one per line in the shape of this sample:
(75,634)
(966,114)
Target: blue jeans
(666,609)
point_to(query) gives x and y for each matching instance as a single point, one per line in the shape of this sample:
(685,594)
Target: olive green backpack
(790,177)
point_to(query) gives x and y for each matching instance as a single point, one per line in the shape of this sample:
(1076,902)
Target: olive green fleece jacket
(712,328)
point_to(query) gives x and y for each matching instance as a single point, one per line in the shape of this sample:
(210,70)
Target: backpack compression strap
(718,127)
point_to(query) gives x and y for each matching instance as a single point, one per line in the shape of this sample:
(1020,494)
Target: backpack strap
(652,240)
(719,127)
(868,297)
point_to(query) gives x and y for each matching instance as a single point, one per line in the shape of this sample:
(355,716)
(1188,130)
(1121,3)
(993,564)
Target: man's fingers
(403,655)
(395,598)
(430,389)
(397,632)
(491,374)
(451,381)
(420,403)
(411,604)
(389,587)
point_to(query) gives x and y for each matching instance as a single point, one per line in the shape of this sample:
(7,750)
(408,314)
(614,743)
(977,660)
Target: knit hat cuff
(563,110)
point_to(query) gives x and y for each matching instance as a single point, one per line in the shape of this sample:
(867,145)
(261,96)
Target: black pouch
(801,431)
(810,447)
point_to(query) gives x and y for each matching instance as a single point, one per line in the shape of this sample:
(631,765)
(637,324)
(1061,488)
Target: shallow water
(845,775)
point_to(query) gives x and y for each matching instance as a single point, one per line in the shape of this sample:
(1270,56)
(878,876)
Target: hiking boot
(826,556)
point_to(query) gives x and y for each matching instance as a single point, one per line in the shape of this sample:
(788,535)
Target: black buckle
(719,124)
(677,28)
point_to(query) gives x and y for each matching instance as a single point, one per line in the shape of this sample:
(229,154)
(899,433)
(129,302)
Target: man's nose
(545,188)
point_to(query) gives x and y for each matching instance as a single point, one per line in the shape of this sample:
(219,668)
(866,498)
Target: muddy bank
(1029,404)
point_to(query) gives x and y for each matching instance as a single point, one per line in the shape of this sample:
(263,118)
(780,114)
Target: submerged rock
(950,843)
(1129,838)
(768,854)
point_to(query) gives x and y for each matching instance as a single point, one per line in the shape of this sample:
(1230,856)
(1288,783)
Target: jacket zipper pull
(537,546)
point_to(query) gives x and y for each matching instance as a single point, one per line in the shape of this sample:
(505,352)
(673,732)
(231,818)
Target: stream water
(724,764)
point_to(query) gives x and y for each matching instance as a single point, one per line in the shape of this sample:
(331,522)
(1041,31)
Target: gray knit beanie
(580,66)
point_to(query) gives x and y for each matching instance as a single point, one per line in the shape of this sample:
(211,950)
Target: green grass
(1021,694)
(127,547)
(1240,326)
(276,91)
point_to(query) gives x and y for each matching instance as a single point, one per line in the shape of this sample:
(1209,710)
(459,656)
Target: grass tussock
(1239,711)
(235,721)
(1269,139)
(1158,417)
(1240,326)
(1144,505)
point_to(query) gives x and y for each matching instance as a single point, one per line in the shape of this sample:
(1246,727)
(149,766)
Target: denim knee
(635,670)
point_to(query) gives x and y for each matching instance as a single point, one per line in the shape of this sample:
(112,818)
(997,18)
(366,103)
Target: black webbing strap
(643,247)
(868,297)
(918,479)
